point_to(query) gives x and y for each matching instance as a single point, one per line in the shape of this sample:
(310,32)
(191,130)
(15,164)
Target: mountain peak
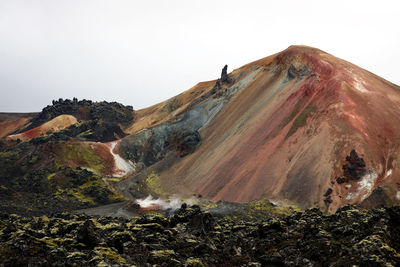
(280,128)
(286,133)
(303,49)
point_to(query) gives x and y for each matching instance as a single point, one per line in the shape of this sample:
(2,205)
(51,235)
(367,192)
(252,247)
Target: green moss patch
(154,185)
(109,254)
(79,154)
(266,206)
(301,119)
(84,187)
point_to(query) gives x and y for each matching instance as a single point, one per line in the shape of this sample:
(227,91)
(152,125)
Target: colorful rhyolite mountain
(300,126)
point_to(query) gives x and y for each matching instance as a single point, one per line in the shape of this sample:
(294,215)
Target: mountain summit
(300,126)
(288,126)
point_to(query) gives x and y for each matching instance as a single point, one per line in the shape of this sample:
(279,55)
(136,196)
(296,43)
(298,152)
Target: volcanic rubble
(192,237)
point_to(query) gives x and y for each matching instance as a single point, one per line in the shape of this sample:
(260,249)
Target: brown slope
(12,122)
(54,125)
(287,133)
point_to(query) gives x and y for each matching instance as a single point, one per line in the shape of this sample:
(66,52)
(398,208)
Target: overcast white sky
(142,52)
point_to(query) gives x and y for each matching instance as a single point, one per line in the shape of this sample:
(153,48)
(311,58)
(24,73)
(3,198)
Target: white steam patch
(123,166)
(367,181)
(365,186)
(388,173)
(173,204)
(351,196)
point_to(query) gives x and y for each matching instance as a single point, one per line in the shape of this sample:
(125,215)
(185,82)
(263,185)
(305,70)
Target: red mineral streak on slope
(122,167)
(115,165)
(101,150)
(56,124)
(11,122)
(287,138)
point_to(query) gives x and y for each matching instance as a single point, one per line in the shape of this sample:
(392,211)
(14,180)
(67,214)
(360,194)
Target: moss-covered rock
(109,255)
(193,262)
(190,237)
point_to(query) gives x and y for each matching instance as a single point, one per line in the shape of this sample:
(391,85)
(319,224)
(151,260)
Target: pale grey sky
(142,52)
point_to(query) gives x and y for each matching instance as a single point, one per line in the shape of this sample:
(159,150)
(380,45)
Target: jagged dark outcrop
(84,110)
(98,121)
(224,75)
(354,168)
(217,91)
(95,130)
(191,237)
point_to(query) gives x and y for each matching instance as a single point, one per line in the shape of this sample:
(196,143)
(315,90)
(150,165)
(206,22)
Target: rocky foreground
(191,237)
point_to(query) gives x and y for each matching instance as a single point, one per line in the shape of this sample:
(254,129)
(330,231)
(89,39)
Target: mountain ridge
(304,92)
(281,128)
